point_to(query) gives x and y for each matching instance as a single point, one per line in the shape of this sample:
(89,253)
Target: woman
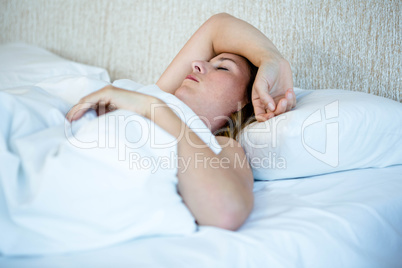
(210,74)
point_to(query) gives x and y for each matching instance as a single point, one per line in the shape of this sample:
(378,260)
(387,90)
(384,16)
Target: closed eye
(223,68)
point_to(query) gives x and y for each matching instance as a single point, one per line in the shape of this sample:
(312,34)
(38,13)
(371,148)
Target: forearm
(209,186)
(236,36)
(220,33)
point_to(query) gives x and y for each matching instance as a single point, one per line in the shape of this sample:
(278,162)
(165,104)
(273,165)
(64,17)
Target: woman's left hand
(273,89)
(111,98)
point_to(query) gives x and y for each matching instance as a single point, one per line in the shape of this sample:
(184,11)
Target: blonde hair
(239,119)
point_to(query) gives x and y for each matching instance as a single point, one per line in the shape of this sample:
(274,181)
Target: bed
(328,174)
(294,224)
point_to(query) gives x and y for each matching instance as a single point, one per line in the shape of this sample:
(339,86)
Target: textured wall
(348,44)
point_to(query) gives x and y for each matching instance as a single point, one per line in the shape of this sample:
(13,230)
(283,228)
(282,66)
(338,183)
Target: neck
(214,124)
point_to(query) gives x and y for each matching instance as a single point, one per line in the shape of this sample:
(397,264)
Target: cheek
(226,90)
(224,85)
(234,90)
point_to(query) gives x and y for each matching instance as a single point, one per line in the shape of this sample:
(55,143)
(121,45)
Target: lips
(191,77)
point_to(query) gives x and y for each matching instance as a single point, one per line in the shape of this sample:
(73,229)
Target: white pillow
(327,131)
(24,65)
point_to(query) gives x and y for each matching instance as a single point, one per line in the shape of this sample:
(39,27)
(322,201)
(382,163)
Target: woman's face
(216,88)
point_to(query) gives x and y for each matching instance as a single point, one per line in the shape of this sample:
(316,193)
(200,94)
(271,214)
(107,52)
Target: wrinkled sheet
(70,187)
(344,219)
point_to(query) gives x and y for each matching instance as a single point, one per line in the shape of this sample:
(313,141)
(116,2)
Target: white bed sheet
(344,219)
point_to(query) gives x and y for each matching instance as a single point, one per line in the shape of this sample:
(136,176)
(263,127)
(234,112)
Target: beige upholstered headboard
(347,44)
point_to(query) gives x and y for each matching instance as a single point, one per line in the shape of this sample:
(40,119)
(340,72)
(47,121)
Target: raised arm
(225,33)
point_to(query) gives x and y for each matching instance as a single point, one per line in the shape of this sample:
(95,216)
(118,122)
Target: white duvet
(94,183)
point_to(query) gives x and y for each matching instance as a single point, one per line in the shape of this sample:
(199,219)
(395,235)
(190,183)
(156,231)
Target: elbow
(220,16)
(230,223)
(234,216)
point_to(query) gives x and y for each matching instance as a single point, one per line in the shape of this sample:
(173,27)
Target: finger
(112,107)
(261,117)
(258,109)
(102,108)
(266,101)
(292,92)
(261,89)
(291,99)
(96,100)
(281,107)
(79,110)
(265,116)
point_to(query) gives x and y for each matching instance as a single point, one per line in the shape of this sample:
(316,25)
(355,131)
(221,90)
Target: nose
(199,66)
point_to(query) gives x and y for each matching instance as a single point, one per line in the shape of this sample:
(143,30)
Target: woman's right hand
(111,98)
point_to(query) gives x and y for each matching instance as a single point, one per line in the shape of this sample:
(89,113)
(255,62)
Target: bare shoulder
(229,145)
(234,153)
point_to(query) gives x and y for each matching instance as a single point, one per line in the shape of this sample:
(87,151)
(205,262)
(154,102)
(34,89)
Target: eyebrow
(229,59)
